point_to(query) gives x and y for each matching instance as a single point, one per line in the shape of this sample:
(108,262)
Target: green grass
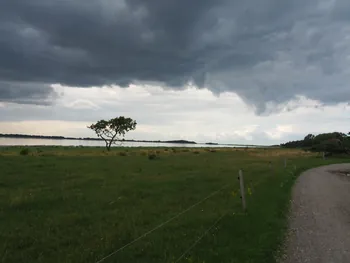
(80,204)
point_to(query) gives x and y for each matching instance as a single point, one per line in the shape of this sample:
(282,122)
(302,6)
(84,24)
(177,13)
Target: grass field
(81,204)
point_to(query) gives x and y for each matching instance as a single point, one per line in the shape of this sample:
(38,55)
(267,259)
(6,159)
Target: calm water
(48,142)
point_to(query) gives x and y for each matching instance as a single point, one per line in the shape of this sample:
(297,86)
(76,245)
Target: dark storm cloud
(266,51)
(26,93)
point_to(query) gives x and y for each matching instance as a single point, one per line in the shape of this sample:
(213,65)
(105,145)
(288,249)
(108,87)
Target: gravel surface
(320,217)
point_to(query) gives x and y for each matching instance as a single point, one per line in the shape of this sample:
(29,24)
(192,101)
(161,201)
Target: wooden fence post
(241,184)
(285,163)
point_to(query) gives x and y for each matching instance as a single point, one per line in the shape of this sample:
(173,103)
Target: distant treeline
(27,136)
(333,142)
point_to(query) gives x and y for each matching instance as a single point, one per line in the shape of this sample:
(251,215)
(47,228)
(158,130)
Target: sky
(227,71)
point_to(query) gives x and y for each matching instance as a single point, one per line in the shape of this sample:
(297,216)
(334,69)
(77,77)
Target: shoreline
(179,142)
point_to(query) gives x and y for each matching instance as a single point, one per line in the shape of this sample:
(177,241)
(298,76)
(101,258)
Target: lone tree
(111,131)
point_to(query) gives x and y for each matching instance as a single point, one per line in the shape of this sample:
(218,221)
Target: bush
(123,154)
(152,156)
(38,150)
(196,152)
(24,151)
(330,146)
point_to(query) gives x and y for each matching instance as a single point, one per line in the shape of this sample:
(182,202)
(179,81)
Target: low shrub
(152,156)
(24,151)
(38,150)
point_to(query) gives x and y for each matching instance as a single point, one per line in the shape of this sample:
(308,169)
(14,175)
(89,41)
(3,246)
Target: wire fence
(248,188)
(164,223)
(200,238)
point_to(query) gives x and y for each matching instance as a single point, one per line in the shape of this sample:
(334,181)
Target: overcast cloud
(268,57)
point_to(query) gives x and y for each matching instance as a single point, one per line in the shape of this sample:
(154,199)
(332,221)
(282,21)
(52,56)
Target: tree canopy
(112,130)
(333,142)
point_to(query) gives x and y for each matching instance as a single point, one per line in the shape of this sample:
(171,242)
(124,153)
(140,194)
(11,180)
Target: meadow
(80,204)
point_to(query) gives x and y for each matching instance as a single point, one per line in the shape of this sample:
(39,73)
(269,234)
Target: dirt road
(320,217)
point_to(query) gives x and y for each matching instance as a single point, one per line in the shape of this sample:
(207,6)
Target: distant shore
(27,136)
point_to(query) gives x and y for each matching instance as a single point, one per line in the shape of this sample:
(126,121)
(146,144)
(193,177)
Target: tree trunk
(111,141)
(108,146)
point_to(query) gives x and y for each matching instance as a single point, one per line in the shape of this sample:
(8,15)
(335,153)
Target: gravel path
(320,217)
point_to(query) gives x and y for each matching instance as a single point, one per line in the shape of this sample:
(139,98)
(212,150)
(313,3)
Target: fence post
(241,184)
(285,163)
(324,156)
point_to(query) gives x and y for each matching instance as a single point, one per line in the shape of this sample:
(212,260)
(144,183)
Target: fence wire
(200,238)
(163,224)
(250,185)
